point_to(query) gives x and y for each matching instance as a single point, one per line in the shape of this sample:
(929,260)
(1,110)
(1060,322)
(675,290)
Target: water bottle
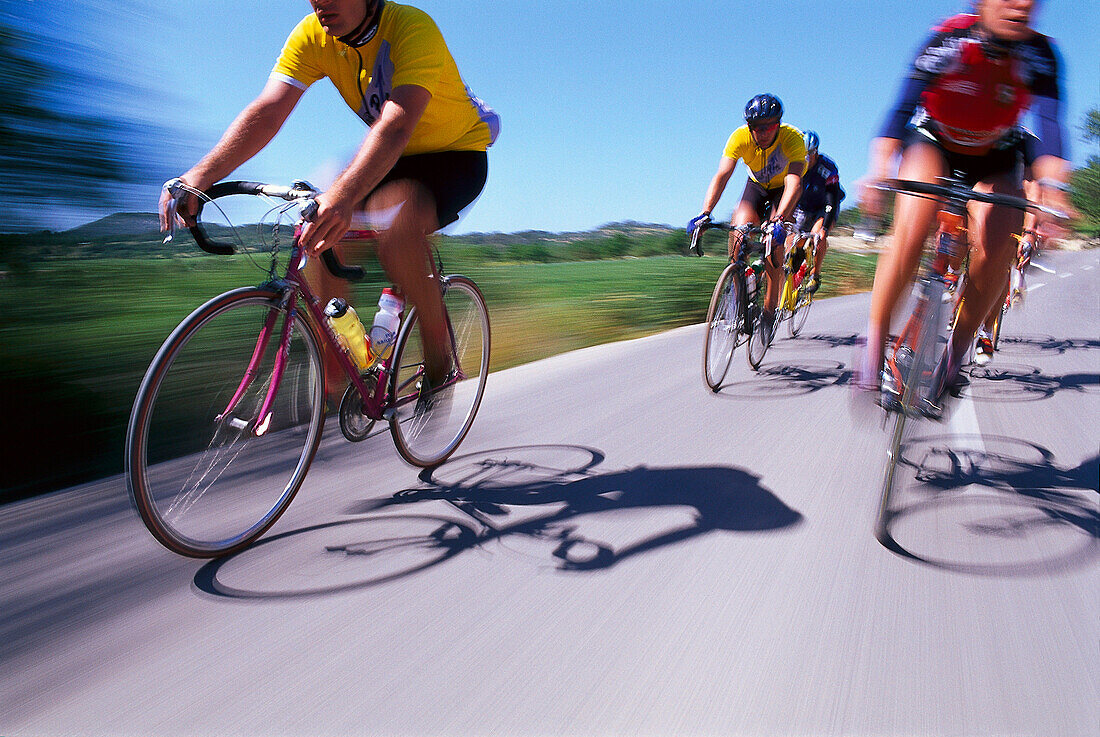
(750,281)
(383,332)
(349,330)
(800,275)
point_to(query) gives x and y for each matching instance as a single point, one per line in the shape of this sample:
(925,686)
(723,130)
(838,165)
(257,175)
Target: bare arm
(884,151)
(792,187)
(253,129)
(379,151)
(718,183)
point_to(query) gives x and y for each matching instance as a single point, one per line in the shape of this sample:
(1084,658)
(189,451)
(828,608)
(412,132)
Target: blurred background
(614,117)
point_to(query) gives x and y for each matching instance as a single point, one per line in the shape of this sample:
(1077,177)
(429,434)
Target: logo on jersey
(776,163)
(379,86)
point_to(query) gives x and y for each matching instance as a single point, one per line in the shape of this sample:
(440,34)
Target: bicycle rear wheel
(205,481)
(723,327)
(428,429)
(761,337)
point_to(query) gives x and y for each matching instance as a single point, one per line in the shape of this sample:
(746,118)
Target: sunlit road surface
(616,550)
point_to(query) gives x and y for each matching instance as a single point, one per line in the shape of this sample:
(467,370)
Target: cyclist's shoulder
(308,31)
(956,24)
(791,141)
(407,24)
(827,163)
(738,141)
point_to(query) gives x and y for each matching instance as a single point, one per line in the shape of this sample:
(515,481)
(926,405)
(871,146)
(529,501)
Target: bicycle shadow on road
(780,378)
(565,516)
(1000,381)
(1041,344)
(993,506)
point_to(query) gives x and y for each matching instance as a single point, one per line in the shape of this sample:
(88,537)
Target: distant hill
(120,226)
(137,234)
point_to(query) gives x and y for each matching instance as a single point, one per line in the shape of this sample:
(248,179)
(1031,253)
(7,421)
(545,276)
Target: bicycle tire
(996,334)
(797,320)
(758,341)
(205,484)
(427,431)
(723,327)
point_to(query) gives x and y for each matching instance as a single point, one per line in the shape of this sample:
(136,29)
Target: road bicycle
(796,299)
(1017,285)
(736,304)
(229,414)
(911,358)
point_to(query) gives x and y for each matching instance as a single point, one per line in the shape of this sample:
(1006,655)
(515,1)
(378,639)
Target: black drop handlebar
(301,191)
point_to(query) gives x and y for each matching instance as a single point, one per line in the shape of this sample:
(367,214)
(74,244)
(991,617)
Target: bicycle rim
(893,453)
(206,486)
(996,336)
(721,335)
(427,431)
(803,301)
(758,343)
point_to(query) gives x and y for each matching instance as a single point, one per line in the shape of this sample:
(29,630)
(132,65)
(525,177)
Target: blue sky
(612,110)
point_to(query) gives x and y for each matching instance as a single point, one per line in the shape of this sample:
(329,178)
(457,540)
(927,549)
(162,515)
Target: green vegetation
(81,331)
(1086,181)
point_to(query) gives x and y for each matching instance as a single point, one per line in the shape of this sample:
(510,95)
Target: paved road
(616,551)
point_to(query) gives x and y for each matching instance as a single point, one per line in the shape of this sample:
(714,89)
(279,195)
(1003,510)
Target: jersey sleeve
(735,146)
(421,54)
(794,146)
(297,63)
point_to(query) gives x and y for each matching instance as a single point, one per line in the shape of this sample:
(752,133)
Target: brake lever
(176,189)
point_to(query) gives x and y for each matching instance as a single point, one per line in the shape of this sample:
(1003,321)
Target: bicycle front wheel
(723,328)
(428,428)
(797,320)
(207,474)
(761,337)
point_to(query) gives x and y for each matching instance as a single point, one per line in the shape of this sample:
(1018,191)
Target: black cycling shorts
(455,179)
(997,162)
(804,220)
(762,200)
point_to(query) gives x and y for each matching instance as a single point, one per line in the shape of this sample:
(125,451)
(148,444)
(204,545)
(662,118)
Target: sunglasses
(763,127)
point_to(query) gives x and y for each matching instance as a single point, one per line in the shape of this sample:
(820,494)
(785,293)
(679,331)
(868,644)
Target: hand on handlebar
(176,206)
(330,220)
(700,220)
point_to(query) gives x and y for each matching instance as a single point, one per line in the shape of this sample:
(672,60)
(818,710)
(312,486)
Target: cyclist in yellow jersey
(421,163)
(775,155)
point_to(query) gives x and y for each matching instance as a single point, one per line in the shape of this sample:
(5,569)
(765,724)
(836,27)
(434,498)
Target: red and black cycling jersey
(971,90)
(821,186)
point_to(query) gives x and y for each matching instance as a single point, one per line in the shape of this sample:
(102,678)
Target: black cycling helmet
(812,142)
(763,107)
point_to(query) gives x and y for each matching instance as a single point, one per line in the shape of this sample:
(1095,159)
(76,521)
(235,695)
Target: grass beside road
(78,335)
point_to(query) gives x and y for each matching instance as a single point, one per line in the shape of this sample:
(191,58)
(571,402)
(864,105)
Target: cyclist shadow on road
(710,498)
(993,506)
(567,516)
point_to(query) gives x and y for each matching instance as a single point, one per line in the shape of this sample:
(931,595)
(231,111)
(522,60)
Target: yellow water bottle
(349,329)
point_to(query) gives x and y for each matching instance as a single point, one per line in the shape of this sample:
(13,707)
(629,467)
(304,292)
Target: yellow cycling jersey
(768,166)
(407,49)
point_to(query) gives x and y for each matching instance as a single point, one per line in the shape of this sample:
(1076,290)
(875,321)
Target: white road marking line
(963,424)
(1064,276)
(1033,287)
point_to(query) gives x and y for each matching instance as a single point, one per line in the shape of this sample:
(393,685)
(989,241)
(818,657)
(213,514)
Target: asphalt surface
(617,550)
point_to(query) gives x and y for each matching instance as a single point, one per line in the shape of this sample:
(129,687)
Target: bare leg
(743,215)
(991,257)
(405,253)
(995,310)
(914,218)
(821,247)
